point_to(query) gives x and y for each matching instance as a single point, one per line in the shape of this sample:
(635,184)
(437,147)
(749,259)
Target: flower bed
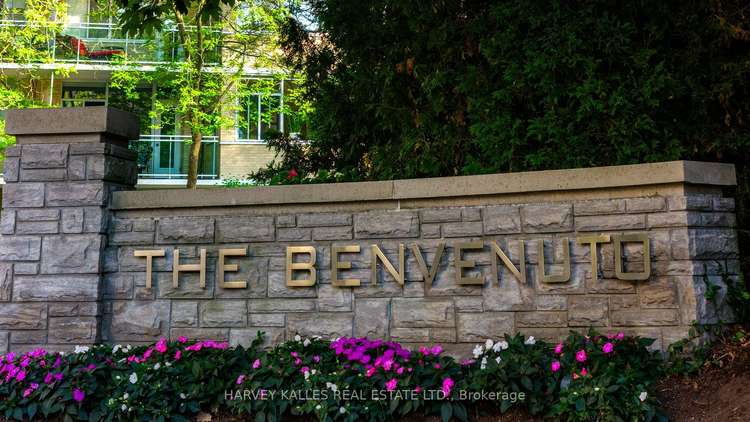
(583,378)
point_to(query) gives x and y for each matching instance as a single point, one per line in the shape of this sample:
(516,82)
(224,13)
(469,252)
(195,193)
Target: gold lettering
(462,264)
(519,272)
(337,265)
(292,266)
(222,267)
(428,276)
(177,267)
(377,254)
(593,240)
(541,277)
(149,261)
(632,237)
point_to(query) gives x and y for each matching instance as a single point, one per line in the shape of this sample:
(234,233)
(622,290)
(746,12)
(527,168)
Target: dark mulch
(719,392)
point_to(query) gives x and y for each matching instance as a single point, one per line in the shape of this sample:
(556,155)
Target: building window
(74,95)
(14,10)
(259,116)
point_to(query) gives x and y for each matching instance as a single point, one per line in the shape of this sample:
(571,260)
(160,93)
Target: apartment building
(82,59)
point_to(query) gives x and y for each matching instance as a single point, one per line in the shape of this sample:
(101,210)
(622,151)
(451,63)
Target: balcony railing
(107,43)
(166,157)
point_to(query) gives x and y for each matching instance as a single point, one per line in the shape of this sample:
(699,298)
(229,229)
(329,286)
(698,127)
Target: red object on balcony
(80,48)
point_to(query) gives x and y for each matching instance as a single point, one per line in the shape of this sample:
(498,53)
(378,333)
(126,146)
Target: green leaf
(446,411)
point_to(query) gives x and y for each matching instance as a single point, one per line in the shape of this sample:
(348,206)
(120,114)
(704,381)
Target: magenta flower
(448,386)
(436,350)
(27,392)
(182,339)
(161,346)
(316,359)
(437,366)
(256,364)
(25,362)
(58,376)
(240,379)
(78,395)
(177,355)
(417,389)
(581,355)
(559,348)
(608,347)
(48,379)
(584,372)
(555,366)
(391,385)
(20,376)
(371,371)
(57,363)
(620,335)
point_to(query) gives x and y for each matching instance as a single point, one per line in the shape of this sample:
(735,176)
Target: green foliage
(738,298)
(349,379)
(414,89)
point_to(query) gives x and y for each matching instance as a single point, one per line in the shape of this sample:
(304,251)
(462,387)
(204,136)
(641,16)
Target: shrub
(348,379)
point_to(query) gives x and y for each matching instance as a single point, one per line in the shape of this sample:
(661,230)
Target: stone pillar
(59,179)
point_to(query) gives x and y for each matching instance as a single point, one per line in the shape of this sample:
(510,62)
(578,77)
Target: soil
(719,392)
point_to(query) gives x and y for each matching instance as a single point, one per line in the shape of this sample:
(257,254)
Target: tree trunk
(195,150)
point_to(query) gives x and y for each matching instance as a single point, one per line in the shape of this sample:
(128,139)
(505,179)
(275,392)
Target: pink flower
(58,376)
(559,348)
(177,355)
(436,350)
(147,354)
(25,362)
(581,355)
(297,362)
(400,371)
(316,359)
(555,366)
(391,385)
(437,366)
(256,364)
(27,392)
(304,369)
(448,386)
(78,395)
(292,174)
(240,379)
(584,372)
(48,379)
(620,335)
(21,376)
(608,347)
(371,371)
(161,346)
(182,339)
(417,389)
(57,363)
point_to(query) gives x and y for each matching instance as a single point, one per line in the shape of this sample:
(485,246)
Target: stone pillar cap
(109,122)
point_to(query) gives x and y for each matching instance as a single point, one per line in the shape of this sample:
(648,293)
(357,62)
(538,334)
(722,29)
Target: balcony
(165,157)
(93,43)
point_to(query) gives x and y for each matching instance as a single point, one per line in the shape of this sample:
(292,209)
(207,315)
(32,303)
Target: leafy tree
(218,42)
(424,88)
(27,44)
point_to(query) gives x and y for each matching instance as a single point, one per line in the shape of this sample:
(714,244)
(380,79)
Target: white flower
(157,366)
(183,396)
(116,348)
(124,407)
(497,359)
(317,407)
(342,410)
(643,395)
(484,363)
(117,377)
(297,338)
(133,378)
(81,349)
(306,342)
(307,375)
(125,396)
(530,341)
(331,386)
(314,371)
(596,388)
(488,344)
(478,351)
(500,345)
(167,364)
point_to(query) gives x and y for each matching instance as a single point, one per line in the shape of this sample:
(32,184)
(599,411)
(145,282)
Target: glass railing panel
(166,157)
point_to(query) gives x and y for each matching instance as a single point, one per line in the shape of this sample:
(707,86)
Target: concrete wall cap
(680,172)
(110,122)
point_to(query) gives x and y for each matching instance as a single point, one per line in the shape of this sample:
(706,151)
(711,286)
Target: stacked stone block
(54,225)
(693,242)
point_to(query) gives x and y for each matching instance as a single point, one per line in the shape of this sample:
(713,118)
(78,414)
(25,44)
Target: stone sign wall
(449,260)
